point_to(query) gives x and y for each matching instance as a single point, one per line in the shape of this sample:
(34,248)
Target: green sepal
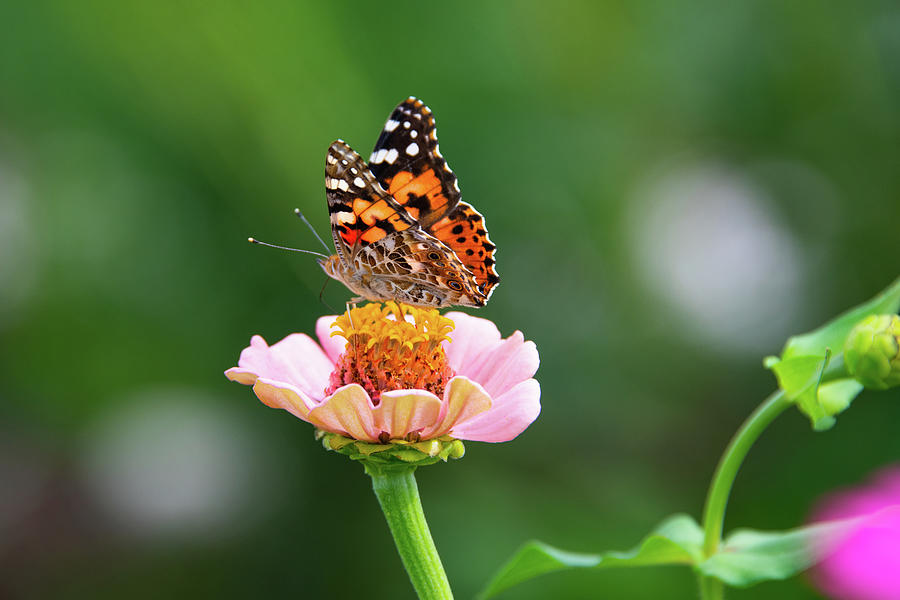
(834,333)
(746,557)
(800,378)
(397,452)
(835,396)
(677,540)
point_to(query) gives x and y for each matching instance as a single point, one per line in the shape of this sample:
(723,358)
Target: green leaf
(677,540)
(745,558)
(832,334)
(748,557)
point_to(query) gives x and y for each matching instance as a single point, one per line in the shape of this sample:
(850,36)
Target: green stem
(723,479)
(398,496)
(711,588)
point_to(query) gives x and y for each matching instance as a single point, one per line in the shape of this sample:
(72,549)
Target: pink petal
(471,337)
(509,363)
(334,346)
(509,416)
(349,412)
(463,400)
(296,360)
(245,376)
(403,411)
(278,394)
(866,564)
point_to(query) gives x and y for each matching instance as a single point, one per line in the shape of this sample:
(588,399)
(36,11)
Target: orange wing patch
(421,195)
(464,232)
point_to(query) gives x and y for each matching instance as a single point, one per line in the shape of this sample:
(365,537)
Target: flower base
(397,452)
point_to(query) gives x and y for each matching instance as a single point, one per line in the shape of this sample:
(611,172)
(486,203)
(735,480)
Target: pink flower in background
(399,373)
(865,564)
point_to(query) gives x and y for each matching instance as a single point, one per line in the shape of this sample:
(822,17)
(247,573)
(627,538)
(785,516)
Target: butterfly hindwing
(463,231)
(407,162)
(361,211)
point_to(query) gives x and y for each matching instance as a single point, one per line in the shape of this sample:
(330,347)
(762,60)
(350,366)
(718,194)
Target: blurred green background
(674,188)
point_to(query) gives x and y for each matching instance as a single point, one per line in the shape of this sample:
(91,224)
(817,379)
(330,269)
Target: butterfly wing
(360,210)
(463,231)
(408,164)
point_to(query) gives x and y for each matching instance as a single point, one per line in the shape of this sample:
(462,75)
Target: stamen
(392,347)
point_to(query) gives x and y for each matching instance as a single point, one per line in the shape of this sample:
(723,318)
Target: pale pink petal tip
(463,401)
(865,563)
(296,360)
(510,415)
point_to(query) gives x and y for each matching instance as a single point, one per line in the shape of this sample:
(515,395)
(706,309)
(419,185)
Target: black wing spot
(386,225)
(417,202)
(457,230)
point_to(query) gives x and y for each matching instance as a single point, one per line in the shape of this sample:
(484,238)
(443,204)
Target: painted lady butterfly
(399,227)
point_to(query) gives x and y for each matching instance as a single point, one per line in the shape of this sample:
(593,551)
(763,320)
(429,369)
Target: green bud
(872,351)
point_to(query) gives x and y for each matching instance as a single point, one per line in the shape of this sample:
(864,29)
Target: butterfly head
(332,267)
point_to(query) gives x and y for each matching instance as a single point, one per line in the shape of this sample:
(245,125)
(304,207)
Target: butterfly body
(399,228)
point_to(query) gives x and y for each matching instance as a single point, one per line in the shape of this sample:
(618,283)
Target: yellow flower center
(392,347)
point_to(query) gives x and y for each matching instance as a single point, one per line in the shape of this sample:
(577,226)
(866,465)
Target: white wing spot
(358,182)
(331,159)
(391,156)
(378,157)
(413,134)
(391,125)
(456,185)
(344,161)
(412,149)
(406,124)
(354,171)
(343,185)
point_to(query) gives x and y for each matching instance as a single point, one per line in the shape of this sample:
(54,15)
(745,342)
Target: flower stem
(711,588)
(726,471)
(398,496)
(723,479)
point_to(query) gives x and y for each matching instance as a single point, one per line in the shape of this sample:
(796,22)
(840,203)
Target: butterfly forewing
(361,211)
(407,162)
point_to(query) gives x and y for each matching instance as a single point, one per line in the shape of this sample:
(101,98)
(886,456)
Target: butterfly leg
(349,305)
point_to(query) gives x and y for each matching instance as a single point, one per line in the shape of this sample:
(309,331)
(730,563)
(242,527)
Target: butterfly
(400,230)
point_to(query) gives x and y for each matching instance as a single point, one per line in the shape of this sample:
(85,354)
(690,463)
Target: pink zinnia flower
(865,563)
(396,372)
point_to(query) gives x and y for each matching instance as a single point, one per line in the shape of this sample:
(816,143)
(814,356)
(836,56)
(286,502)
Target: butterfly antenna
(314,232)
(256,241)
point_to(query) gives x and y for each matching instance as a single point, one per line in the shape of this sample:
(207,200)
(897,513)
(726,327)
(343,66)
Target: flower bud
(872,351)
